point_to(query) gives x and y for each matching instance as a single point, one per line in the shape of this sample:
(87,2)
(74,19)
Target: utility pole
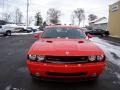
(3,10)
(27,13)
(83,22)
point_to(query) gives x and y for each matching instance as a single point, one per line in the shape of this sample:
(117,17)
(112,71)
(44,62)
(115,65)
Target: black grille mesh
(66,59)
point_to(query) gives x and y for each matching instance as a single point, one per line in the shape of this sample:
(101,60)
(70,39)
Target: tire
(103,35)
(28,31)
(34,79)
(8,33)
(93,81)
(106,35)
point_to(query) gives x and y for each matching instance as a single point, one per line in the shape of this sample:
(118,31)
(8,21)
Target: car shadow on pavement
(60,85)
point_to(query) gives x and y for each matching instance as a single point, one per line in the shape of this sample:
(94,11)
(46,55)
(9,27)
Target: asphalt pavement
(15,76)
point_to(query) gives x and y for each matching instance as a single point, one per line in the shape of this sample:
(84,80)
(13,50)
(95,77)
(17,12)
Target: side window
(0,26)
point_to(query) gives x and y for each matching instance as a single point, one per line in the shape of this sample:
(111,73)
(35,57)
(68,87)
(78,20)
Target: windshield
(72,33)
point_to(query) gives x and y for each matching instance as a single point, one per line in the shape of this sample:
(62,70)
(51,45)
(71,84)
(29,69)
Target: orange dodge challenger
(65,52)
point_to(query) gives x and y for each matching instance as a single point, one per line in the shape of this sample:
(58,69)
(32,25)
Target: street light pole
(27,13)
(3,10)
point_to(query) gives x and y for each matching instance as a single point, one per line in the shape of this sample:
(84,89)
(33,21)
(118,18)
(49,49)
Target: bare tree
(7,16)
(79,14)
(92,17)
(18,16)
(53,15)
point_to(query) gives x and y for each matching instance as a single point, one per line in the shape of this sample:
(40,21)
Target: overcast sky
(97,7)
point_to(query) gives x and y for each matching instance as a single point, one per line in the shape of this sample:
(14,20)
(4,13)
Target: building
(100,23)
(114,19)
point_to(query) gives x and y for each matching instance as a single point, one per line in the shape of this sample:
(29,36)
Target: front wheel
(34,78)
(8,33)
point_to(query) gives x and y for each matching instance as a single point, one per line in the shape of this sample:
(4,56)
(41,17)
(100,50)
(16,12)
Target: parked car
(31,29)
(7,29)
(24,30)
(98,32)
(65,52)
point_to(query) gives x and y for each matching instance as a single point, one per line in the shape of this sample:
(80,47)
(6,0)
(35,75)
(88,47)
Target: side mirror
(37,36)
(89,36)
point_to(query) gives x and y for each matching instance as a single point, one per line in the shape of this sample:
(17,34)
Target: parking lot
(15,76)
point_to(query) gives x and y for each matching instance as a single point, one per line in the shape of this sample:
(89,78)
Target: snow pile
(26,33)
(118,75)
(112,52)
(38,32)
(10,88)
(22,33)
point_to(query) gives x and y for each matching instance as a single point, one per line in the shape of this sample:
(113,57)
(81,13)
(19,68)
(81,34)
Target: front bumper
(66,71)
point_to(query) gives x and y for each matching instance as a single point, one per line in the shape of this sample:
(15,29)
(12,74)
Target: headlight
(32,57)
(92,58)
(36,57)
(100,57)
(40,58)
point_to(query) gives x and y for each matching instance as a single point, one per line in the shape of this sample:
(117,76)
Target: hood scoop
(49,41)
(80,41)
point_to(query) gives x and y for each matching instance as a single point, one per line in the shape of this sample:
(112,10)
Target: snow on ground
(111,51)
(22,33)
(9,87)
(26,33)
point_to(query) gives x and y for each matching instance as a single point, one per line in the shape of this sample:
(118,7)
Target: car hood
(65,47)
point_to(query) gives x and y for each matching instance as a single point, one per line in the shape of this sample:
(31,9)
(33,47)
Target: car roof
(62,26)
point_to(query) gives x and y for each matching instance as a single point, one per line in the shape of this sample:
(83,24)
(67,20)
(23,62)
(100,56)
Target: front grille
(66,74)
(66,59)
